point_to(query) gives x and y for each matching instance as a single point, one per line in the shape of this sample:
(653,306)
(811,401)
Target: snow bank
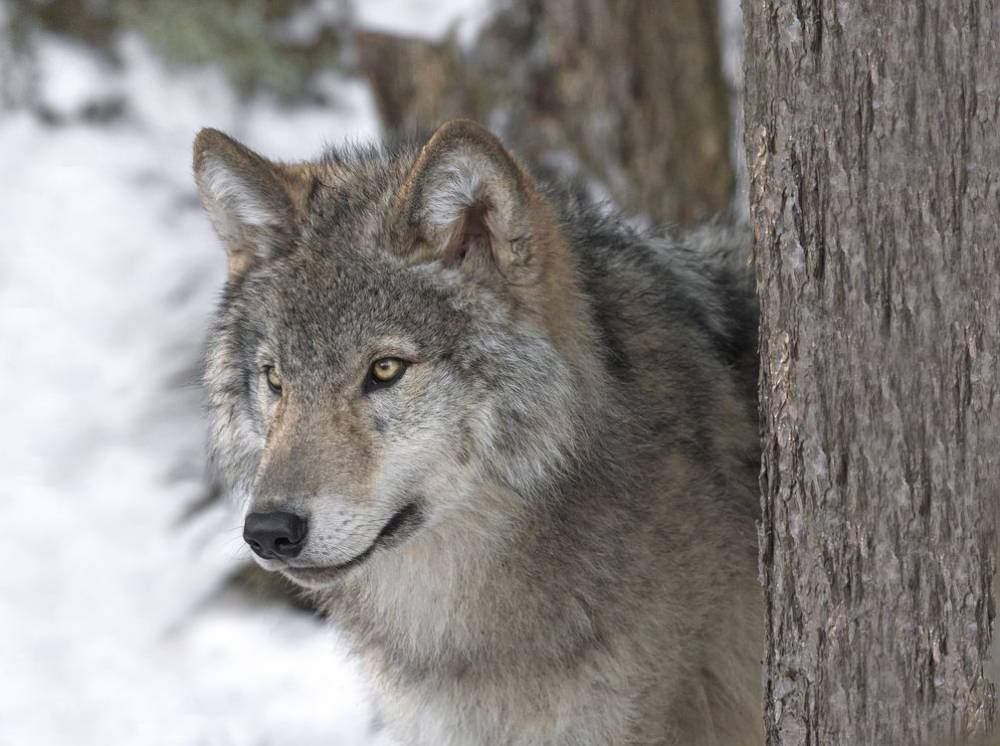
(112,630)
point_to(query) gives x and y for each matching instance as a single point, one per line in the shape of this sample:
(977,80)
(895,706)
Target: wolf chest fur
(506,441)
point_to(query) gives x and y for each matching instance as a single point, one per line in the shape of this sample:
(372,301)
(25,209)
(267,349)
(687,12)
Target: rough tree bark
(873,140)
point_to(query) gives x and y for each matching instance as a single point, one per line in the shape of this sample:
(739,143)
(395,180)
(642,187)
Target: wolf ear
(254,204)
(466,202)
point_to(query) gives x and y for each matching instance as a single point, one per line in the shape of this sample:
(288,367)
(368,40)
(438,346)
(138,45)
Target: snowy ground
(112,629)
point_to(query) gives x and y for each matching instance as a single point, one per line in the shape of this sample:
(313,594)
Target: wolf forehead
(354,196)
(338,267)
(322,301)
(350,202)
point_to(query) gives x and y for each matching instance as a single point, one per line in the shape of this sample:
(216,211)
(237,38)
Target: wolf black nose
(277,534)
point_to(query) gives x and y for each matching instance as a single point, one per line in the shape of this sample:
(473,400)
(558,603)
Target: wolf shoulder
(666,298)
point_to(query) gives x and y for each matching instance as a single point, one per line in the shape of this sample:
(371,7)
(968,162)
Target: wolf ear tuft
(466,202)
(253,203)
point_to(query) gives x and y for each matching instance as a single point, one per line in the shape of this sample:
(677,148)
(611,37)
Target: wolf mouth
(401,525)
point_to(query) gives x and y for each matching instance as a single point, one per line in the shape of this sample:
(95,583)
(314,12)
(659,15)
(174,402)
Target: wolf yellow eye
(384,373)
(273,379)
(387,370)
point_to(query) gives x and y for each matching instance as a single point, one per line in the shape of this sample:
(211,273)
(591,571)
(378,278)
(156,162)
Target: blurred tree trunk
(874,155)
(631,92)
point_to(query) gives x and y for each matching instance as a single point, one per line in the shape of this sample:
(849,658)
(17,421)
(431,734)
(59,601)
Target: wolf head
(400,336)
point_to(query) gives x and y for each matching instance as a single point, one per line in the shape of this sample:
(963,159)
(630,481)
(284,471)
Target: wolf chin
(508,442)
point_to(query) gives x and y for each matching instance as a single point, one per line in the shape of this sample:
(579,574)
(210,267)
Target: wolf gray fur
(508,442)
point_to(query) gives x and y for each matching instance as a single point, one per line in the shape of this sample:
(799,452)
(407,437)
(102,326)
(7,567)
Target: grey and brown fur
(570,458)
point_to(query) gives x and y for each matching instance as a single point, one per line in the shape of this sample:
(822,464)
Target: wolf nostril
(275,534)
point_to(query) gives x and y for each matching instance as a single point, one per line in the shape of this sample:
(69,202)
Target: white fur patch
(457,185)
(241,202)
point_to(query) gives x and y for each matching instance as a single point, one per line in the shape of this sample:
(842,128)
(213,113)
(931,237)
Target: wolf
(507,442)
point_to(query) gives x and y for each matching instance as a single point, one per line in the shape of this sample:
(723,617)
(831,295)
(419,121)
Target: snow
(71,78)
(425,19)
(113,629)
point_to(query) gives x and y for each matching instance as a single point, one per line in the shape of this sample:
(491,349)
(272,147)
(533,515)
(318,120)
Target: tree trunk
(633,92)
(873,140)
